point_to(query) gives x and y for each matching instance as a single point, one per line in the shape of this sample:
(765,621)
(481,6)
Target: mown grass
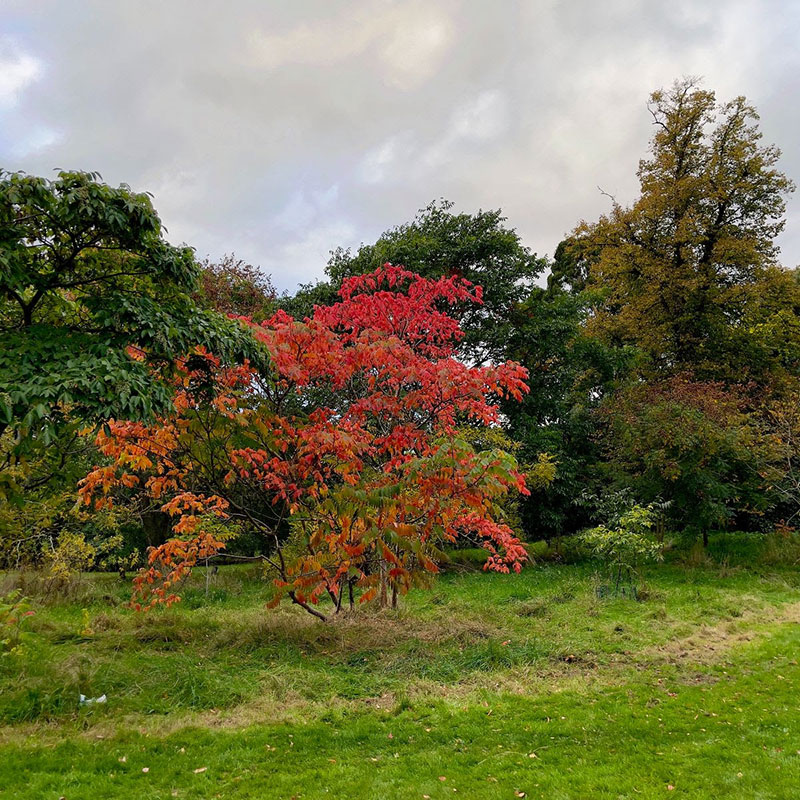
(498,684)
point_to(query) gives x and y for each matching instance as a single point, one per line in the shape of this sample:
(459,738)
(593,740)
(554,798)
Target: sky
(282,129)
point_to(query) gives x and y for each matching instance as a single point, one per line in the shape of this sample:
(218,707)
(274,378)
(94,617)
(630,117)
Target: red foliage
(355,435)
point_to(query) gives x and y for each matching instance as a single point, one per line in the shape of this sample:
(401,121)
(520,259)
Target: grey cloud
(281,130)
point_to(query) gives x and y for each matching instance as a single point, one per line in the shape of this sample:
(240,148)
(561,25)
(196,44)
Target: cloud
(305,257)
(283,130)
(383,162)
(18,70)
(36,139)
(407,41)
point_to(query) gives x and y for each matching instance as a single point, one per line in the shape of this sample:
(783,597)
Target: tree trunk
(382,597)
(157,527)
(313,611)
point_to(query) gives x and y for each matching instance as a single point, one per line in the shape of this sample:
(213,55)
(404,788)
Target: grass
(483,686)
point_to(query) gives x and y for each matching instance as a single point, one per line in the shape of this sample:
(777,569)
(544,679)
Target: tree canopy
(674,267)
(438,242)
(356,441)
(94,304)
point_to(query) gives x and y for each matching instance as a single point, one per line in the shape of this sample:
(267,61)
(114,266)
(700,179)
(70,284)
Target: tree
(517,320)
(94,306)
(232,286)
(570,374)
(355,438)
(672,266)
(439,243)
(695,444)
(687,275)
(624,545)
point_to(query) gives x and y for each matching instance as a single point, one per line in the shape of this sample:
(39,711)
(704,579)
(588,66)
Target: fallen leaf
(200,769)
(122,759)
(532,755)
(519,794)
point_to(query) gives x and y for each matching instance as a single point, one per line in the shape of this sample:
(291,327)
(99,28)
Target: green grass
(498,684)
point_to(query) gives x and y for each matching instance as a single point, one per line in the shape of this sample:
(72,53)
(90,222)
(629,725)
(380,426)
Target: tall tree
(570,373)
(672,265)
(438,242)
(688,275)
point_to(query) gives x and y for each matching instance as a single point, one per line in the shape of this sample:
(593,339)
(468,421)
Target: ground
(536,685)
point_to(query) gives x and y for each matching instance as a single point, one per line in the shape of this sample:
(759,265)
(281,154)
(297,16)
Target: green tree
(624,545)
(569,375)
(94,305)
(697,445)
(438,242)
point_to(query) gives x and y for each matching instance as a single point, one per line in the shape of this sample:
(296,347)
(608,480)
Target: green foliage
(569,374)
(84,274)
(697,445)
(540,472)
(41,506)
(622,547)
(439,242)
(15,611)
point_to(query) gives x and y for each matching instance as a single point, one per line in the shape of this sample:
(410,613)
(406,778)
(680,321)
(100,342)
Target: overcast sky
(280,129)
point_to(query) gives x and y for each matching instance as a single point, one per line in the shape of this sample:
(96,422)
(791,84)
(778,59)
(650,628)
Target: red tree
(354,438)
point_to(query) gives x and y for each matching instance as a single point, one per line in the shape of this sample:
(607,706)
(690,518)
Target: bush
(622,547)
(14,611)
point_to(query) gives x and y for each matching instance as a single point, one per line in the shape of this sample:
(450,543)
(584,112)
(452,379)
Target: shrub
(622,547)
(14,611)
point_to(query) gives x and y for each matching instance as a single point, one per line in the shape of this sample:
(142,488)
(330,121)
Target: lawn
(483,686)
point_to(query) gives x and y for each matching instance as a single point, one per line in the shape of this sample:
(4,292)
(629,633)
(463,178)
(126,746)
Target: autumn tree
(518,320)
(232,286)
(688,277)
(353,437)
(673,265)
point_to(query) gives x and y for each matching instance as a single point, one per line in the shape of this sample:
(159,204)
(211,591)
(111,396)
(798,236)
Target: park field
(538,685)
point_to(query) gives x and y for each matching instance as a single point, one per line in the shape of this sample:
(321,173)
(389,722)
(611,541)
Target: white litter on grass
(90,701)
